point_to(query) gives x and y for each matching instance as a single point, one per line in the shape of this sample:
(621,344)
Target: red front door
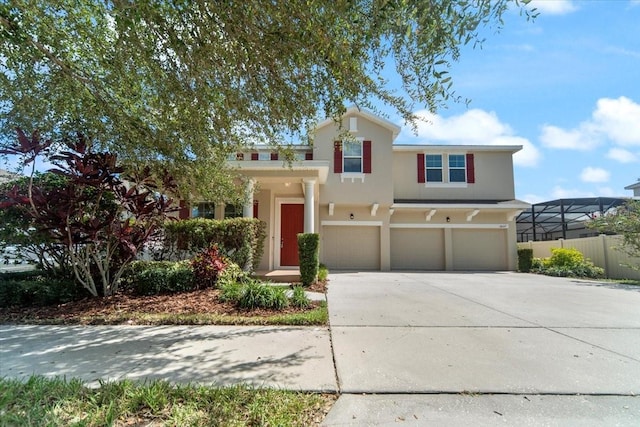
(291,223)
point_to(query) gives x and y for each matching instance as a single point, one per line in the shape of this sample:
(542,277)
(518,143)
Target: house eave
(316,168)
(417,148)
(395,129)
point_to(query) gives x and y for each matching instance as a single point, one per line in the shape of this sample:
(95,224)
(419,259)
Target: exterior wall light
(351,216)
(448,219)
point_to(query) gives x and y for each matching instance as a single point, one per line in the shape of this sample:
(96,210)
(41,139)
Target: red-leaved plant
(207,265)
(100,219)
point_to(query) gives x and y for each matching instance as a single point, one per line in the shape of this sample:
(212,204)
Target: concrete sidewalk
(296,358)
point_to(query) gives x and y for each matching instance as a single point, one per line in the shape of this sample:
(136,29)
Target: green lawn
(57,402)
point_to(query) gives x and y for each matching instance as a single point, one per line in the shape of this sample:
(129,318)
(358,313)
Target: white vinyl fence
(601,250)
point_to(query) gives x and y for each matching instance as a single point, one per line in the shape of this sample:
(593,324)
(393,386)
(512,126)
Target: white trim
(331,208)
(471,214)
(279,201)
(454,149)
(430,214)
(394,128)
(352,176)
(481,226)
(445,184)
(452,206)
(374,209)
(356,223)
(353,124)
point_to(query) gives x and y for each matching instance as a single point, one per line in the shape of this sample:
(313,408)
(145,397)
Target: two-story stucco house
(380,206)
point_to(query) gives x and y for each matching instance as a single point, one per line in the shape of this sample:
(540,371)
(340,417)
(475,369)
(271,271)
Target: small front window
(434,167)
(457,168)
(204,210)
(264,156)
(352,156)
(233,211)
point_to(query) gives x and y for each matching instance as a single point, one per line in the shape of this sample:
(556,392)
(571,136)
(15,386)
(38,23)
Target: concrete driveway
(500,338)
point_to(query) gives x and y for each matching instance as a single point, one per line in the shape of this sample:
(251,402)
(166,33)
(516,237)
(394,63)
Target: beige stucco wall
(377,186)
(493,176)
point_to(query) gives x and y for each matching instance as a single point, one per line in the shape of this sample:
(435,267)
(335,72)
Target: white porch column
(247,209)
(309,205)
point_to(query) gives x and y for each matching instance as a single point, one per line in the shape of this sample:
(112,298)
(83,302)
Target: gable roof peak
(355,110)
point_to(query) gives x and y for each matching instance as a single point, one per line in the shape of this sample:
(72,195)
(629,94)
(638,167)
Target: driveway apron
(482,334)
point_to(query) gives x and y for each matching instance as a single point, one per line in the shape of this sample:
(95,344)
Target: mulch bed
(92,310)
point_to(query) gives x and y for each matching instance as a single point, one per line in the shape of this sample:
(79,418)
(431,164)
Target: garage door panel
(351,247)
(479,250)
(417,249)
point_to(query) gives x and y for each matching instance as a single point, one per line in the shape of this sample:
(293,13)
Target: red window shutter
(421,178)
(366,156)
(274,156)
(471,169)
(254,156)
(255,209)
(183,213)
(308,156)
(337,157)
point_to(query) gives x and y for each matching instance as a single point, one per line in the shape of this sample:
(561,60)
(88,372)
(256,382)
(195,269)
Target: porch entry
(291,223)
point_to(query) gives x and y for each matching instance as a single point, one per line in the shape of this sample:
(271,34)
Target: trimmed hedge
(308,249)
(158,277)
(239,239)
(525,260)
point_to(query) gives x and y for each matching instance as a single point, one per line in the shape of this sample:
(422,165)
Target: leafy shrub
(561,257)
(299,298)
(323,272)
(26,289)
(308,248)
(525,259)
(566,263)
(207,265)
(240,239)
(231,292)
(232,274)
(158,277)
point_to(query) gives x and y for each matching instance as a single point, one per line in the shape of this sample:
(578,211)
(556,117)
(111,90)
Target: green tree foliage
(187,82)
(624,221)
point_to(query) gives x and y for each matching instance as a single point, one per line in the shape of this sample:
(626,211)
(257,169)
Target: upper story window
(446,169)
(457,168)
(352,156)
(434,167)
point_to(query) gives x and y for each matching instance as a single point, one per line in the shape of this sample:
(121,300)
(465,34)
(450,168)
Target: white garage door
(417,249)
(351,248)
(480,250)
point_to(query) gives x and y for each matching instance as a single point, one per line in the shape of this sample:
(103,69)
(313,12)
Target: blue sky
(566,86)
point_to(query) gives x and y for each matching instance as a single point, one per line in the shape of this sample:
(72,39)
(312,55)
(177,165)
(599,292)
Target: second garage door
(417,249)
(351,247)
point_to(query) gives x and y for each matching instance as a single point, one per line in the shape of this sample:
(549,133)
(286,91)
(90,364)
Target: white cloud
(473,127)
(619,120)
(534,198)
(564,193)
(590,174)
(613,120)
(573,139)
(553,7)
(621,155)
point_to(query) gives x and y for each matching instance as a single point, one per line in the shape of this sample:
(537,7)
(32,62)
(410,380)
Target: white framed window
(352,156)
(264,156)
(433,163)
(457,168)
